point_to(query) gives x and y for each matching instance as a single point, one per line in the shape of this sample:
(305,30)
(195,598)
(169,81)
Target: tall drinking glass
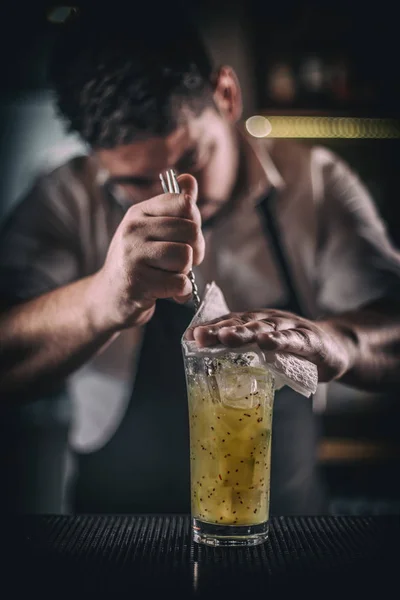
(230,399)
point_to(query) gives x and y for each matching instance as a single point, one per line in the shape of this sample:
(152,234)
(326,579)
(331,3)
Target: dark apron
(145,468)
(297,485)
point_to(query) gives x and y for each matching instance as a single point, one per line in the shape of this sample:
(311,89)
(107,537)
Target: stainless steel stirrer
(172,187)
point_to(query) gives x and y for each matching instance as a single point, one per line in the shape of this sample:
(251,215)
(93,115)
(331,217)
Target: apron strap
(266,207)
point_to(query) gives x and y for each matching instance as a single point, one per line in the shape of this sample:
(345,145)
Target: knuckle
(188,254)
(285,335)
(235,322)
(305,337)
(198,255)
(256,326)
(196,233)
(185,256)
(132,225)
(198,244)
(269,323)
(131,213)
(249,316)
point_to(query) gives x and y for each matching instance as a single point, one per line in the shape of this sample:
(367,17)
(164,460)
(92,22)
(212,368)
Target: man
(94,266)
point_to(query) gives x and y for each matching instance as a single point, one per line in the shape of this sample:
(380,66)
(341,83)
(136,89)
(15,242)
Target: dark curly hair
(120,78)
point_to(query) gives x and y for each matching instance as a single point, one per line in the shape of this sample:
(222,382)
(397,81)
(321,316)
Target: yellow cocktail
(230,409)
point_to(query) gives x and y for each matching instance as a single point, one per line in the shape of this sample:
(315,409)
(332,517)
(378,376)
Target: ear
(227,93)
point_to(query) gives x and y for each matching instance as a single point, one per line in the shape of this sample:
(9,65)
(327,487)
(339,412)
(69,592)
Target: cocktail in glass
(230,409)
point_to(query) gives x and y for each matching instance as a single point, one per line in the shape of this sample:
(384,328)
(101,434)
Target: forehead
(152,155)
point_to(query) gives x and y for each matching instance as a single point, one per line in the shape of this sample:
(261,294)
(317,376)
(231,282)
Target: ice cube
(242,387)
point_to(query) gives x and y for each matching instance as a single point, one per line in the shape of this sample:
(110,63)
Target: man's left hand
(321,342)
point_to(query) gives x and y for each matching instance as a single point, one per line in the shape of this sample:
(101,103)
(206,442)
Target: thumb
(188,186)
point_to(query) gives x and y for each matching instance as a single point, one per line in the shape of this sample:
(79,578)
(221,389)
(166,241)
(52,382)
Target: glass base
(229,535)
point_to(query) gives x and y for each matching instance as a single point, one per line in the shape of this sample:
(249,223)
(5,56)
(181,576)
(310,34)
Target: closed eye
(132,181)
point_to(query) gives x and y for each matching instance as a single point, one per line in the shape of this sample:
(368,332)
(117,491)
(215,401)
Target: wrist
(346,342)
(110,314)
(96,303)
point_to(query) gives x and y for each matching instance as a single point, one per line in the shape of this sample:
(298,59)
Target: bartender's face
(204,145)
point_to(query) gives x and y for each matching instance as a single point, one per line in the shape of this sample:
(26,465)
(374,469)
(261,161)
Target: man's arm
(357,340)
(45,339)
(372,335)
(359,276)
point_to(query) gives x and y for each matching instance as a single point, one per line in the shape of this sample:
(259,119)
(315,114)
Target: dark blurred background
(319,61)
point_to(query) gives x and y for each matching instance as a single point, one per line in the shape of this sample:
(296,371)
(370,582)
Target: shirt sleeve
(39,243)
(356,261)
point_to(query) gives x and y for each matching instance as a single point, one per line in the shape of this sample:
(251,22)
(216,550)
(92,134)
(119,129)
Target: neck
(238,182)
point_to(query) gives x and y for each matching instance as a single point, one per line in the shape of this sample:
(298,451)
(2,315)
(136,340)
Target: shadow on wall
(33,139)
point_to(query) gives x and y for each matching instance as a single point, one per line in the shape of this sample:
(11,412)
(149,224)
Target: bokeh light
(322,127)
(258,126)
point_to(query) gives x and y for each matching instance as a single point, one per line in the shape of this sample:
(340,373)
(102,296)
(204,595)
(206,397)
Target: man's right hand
(149,257)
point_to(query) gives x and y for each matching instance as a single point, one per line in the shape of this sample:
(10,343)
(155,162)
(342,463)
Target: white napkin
(296,372)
